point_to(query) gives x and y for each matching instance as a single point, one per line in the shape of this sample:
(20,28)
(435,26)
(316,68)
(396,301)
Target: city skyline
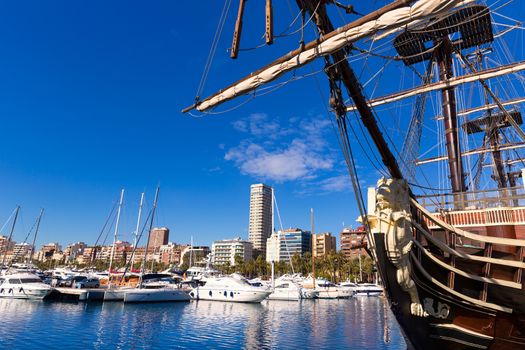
(91,104)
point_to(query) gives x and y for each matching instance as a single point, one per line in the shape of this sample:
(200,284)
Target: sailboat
(117,292)
(16,284)
(159,293)
(448,245)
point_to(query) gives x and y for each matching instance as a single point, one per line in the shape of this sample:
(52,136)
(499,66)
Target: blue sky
(90,99)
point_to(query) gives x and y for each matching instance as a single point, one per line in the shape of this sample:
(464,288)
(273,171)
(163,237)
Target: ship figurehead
(392,218)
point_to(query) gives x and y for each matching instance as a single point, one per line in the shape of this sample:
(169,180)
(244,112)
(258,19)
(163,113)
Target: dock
(77,294)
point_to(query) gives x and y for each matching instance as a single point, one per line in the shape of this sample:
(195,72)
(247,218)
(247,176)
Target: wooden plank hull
(452,323)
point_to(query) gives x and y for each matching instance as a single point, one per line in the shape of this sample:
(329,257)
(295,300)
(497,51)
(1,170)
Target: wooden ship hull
(470,285)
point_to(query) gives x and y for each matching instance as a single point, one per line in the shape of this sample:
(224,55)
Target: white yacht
(286,290)
(348,285)
(309,293)
(196,273)
(23,286)
(368,290)
(233,288)
(327,289)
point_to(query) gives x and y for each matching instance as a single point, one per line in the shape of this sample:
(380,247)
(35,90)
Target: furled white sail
(469,78)
(330,44)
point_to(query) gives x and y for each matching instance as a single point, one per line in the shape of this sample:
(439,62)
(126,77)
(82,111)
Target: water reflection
(354,323)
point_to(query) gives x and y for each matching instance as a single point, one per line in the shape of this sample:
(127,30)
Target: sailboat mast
(444,60)
(149,234)
(313,243)
(273,217)
(191,251)
(34,237)
(137,228)
(115,234)
(10,235)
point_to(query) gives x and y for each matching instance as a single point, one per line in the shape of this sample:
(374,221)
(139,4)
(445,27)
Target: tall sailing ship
(446,222)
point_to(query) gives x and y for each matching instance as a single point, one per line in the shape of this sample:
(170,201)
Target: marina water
(358,323)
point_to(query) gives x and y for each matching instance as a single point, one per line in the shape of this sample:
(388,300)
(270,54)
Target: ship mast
(342,71)
(443,55)
(470,26)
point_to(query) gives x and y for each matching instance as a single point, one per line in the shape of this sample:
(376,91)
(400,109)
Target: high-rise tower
(261,217)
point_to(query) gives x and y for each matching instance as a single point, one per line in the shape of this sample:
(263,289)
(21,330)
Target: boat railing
(482,199)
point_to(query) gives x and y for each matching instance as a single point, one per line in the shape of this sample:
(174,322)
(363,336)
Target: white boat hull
(155,295)
(24,292)
(116,294)
(238,296)
(333,293)
(283,295)
(368,294)
(309,294)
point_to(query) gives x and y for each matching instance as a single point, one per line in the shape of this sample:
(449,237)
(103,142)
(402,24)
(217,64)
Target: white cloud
(339,183)
(296,150)
(296,161)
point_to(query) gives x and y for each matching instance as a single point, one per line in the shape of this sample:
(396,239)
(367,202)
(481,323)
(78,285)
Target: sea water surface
(357,323)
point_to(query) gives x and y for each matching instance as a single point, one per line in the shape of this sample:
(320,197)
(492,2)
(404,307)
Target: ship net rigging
(405,112)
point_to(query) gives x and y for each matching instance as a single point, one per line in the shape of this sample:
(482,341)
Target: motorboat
(196,273)
(326,289)
(309,293)
(368,290)
(286,290)
(348,285)
(233,288)
(307,290)
(23,286)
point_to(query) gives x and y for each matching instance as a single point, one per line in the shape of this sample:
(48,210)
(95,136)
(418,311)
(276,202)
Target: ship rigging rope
(283,33)
(109,230)
(8,220)
(264,90)
(106,223)
(368,53)
(213,47)
(132,256)
(25,240)
(491,8)
(352,169)
(282,230)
